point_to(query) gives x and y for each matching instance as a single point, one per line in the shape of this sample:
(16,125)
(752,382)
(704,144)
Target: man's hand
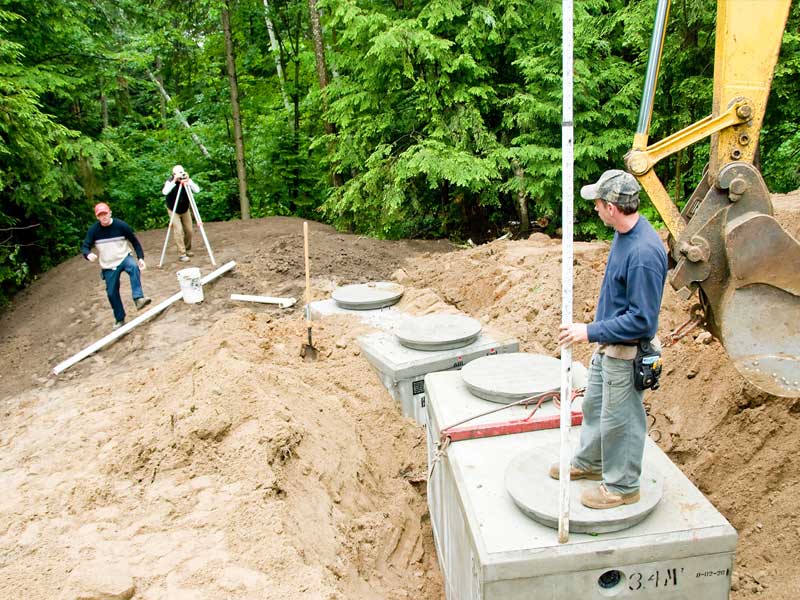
(574,333)
(142,264)
(91,257)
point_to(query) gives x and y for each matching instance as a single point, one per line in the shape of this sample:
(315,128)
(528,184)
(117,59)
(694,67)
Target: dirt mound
(199,457)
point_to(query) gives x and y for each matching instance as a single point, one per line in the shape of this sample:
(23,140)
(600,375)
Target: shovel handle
(308,271)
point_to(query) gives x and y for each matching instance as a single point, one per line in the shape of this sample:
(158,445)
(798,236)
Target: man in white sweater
(176,189)
(110,238)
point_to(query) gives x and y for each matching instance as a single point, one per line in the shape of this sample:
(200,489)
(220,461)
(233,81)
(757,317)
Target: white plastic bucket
(191,286)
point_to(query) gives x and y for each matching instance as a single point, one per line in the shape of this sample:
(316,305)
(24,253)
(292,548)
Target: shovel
(308,352)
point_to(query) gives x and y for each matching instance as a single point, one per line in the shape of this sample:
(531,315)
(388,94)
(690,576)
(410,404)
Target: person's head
(178,172)
(103,213)
(615,195)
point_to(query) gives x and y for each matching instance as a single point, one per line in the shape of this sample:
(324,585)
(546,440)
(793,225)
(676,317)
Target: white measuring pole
(567,193)
(200,224)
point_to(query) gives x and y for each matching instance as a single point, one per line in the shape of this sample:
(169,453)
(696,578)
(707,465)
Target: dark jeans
(112,277)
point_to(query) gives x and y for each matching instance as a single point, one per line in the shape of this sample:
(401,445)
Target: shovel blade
(308,352)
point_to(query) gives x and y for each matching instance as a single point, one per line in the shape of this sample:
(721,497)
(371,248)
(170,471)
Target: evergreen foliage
(440,118)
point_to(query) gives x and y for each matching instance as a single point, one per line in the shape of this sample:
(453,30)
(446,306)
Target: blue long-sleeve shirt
(630,296)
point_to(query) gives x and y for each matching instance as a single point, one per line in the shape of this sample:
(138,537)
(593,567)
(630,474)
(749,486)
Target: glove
(91,257)
(142,264)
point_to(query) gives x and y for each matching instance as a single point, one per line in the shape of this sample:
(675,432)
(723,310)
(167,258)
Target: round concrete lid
(368,296)
(506,378)
(438,332)
(536,494)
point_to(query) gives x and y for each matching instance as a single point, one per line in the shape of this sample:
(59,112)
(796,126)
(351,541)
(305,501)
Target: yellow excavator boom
(725,242)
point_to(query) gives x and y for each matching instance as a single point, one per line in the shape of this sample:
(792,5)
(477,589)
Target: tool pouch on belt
(646,366)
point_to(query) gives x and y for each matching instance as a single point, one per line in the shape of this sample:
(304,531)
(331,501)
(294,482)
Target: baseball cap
(100,208)
(614,186)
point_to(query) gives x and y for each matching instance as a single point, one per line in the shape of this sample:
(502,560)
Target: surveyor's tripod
(183,186)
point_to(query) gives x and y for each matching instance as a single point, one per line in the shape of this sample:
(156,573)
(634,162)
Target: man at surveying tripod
(177,189)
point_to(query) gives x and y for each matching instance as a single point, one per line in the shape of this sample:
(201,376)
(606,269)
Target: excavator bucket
(747,267)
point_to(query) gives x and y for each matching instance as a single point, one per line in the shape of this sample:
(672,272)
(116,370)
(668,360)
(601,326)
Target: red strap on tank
(459,431)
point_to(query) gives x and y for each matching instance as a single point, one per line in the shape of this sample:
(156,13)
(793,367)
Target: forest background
(403,118)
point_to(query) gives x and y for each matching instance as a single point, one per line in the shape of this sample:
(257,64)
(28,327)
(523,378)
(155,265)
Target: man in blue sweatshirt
(614,419)
(110,238)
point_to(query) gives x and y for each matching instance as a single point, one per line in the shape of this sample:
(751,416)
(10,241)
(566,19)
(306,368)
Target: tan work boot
(142,302)
(575,473)
(599,497)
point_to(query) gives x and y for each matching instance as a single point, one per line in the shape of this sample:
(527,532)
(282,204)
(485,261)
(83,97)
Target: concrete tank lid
(438,332)
(536,494)
(506,378)
(368,296)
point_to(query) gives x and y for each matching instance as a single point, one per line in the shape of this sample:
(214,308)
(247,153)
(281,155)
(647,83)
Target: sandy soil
(199,457)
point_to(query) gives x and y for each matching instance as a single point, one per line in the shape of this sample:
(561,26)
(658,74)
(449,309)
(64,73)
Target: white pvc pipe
(63,366)
(567,159)
(282,302)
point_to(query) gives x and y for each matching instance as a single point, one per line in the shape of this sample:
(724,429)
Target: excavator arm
(726,243)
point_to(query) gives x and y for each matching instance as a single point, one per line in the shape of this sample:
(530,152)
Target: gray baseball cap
(614,186)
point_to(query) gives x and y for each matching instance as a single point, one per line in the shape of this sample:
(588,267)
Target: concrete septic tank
(386,319)
(488,549)
(402,369)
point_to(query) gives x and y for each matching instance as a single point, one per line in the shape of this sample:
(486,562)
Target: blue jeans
(614,425)
(112,277)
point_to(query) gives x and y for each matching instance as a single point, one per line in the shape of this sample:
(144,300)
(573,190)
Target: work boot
(118,324)
(141,302)
(599,497)
(575,473)
(183,258)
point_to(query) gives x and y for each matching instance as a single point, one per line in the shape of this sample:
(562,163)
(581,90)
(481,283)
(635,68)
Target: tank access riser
(489,550)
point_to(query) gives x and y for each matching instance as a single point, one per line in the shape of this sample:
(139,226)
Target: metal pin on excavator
(726,243)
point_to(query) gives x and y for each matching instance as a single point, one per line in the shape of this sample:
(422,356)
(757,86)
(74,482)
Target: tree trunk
(276,53)
(104,109)
(522,199)
(322,72)
(76,110)
(123,98)
(178,114)
(238,140)
(161,97)
(319,47)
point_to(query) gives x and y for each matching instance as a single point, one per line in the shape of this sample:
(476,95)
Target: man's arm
(193,186)
(169,185)
(131,237)
(645,286)
(88,242)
